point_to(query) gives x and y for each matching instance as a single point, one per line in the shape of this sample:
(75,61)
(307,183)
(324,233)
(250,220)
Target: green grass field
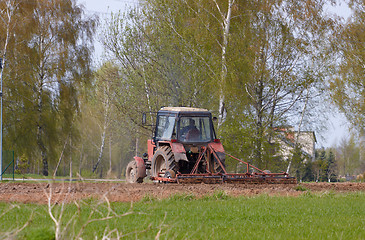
(310,216)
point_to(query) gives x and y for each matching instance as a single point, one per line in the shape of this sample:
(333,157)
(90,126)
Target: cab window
(194,129)
(165,127)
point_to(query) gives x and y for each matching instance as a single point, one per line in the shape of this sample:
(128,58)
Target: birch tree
(127,47)
(177,65)
(288,45)
(255,64)
(6,15)
(50,60)
(103,95)
(226,22)
(104,126)
(348,84)
(348,157)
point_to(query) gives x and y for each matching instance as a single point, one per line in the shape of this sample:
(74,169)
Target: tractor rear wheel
(163,162)
(131,173)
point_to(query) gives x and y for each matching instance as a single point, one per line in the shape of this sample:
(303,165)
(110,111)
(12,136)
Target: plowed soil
(124,192)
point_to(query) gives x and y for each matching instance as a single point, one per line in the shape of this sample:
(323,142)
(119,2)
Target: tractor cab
(184,125)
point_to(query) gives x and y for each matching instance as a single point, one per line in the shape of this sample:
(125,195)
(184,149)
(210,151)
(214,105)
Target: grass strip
(218,216)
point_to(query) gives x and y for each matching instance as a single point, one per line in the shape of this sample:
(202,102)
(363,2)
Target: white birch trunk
(226,21)
(60,159)
(81,156)
(70,159)
(105,126)
(299,127)
(147,96)
(102,144)
(110,157)
(136,146)
(10,7)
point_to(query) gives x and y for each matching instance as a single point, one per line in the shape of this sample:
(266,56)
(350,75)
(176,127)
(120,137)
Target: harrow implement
(252,174)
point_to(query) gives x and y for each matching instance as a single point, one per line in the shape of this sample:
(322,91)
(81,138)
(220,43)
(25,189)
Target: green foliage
(23,165)
(297,162)
(325,166)
(308,172)
(300,188)
(323,169)
(348,154)
(42,78)
(170,54)
(348,81)
(106,133)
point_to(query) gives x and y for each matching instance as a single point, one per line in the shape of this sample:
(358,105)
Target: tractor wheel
(131,173)
(163,162)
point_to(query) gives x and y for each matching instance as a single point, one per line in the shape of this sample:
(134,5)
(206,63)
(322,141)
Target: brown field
(124,192)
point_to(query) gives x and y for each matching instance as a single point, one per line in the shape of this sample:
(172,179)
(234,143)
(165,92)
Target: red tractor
(185,149)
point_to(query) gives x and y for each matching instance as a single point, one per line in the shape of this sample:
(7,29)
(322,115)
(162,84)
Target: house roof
(289,130)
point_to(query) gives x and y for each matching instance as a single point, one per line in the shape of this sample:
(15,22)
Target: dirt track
(123,192)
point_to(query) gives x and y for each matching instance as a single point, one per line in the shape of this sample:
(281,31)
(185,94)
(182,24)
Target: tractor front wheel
(131,173)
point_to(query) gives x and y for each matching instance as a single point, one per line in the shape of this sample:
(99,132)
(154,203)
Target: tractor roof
(183,109)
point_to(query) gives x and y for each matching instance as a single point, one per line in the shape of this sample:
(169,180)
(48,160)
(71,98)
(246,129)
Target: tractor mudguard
(179,152)
(217,146)
(141,167)
(151,146)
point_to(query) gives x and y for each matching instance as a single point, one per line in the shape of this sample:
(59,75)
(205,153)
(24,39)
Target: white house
(286,138)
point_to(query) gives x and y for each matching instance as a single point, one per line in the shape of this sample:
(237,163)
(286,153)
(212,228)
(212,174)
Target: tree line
(256,65)
(344,162)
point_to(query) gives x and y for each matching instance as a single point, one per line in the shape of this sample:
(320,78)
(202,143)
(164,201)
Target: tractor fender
(141,167)
(151,146)
(216,146)
(179,152)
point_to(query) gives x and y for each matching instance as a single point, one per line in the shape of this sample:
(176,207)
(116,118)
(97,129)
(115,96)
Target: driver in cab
(190,132)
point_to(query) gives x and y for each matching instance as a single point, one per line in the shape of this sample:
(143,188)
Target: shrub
(23,165)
